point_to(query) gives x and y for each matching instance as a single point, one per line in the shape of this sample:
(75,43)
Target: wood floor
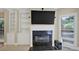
(25,48)
(15,48)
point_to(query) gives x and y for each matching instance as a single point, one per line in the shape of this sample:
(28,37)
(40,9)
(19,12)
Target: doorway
(68,30)
(1,29)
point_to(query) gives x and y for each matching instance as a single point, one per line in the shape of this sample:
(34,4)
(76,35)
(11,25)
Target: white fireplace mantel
(42,28)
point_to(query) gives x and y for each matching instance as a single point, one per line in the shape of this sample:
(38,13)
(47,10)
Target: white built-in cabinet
(18,26)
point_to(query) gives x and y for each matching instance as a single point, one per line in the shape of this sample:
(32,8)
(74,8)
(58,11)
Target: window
(1,28)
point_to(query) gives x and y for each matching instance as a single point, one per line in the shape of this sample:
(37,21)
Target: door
(1,29)
(68,30)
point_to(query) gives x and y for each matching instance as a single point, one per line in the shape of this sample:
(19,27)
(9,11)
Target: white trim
(75,28)
(42,27)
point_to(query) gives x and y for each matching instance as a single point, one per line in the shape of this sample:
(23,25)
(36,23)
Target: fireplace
(42,38)
(42,30)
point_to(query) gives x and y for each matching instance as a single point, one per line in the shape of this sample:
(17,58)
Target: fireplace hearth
(42,48)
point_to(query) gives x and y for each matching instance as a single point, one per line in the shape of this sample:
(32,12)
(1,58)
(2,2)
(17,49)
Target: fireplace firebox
(42,40)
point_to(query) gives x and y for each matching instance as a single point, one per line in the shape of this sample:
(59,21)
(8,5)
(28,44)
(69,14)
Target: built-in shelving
(24,20)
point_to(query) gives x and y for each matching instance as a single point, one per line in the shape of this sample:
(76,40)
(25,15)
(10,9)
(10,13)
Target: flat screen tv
(42,17)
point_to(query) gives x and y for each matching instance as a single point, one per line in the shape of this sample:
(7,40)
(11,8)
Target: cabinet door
(24,20)
(12,20)
(10,38)
(23,38)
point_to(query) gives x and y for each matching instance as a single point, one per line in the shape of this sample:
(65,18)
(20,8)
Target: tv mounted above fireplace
(42,17)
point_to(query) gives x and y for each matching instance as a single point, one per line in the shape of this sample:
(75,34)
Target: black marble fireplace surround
(42,40)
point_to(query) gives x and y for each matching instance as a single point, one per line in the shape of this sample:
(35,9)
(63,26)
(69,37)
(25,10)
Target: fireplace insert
(42,38)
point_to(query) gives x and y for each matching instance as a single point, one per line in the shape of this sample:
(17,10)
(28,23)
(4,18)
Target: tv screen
(42,17)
